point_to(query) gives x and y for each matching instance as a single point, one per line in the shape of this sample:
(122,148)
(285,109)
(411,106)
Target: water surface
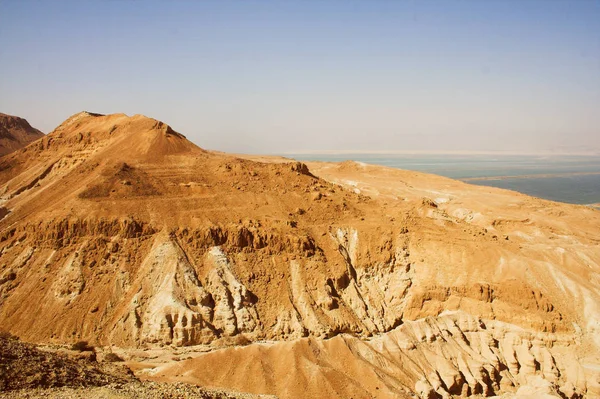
(572,179)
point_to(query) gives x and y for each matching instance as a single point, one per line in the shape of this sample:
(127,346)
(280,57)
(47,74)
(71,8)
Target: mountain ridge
(120,231)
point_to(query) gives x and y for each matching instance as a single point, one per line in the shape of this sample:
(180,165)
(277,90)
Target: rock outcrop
(16,133)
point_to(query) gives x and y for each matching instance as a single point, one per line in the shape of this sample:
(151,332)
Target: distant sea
(571,179)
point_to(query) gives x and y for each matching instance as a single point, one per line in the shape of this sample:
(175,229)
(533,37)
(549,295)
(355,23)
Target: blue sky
(278,76)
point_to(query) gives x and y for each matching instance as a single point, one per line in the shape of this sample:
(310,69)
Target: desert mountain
(15,133)
(347,280)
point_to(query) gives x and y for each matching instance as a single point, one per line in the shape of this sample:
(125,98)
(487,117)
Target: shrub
(82,346)
(241,340)
(236,340)
(7,335)
(112,357)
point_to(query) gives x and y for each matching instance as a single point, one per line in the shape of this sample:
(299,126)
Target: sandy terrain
(297,280)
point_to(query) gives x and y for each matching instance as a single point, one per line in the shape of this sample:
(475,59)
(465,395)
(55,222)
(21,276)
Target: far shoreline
(529,176)
(441,152)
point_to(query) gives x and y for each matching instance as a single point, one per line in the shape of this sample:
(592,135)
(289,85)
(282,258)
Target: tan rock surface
(15,133)
(118,230)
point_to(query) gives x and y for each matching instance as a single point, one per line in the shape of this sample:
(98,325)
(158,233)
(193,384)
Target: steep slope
(15,133)
(118,230)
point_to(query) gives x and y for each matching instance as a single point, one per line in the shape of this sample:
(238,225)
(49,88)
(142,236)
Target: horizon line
(439,152)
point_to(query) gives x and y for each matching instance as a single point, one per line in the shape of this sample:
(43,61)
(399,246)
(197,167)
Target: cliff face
(119,231)
(15,133)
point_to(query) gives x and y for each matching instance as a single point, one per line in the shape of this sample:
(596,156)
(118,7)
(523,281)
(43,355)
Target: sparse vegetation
(112,357)
(6,335)
(236,340)
(82,346)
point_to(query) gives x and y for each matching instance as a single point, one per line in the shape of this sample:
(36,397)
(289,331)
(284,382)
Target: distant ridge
(15,133)
(590,152)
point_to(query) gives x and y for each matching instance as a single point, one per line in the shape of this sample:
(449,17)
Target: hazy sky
(278,76)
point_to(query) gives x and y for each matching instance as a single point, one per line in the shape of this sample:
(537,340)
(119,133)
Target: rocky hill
(15,133)
(352,280)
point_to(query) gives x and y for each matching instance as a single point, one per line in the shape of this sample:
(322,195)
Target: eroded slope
(119,231)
